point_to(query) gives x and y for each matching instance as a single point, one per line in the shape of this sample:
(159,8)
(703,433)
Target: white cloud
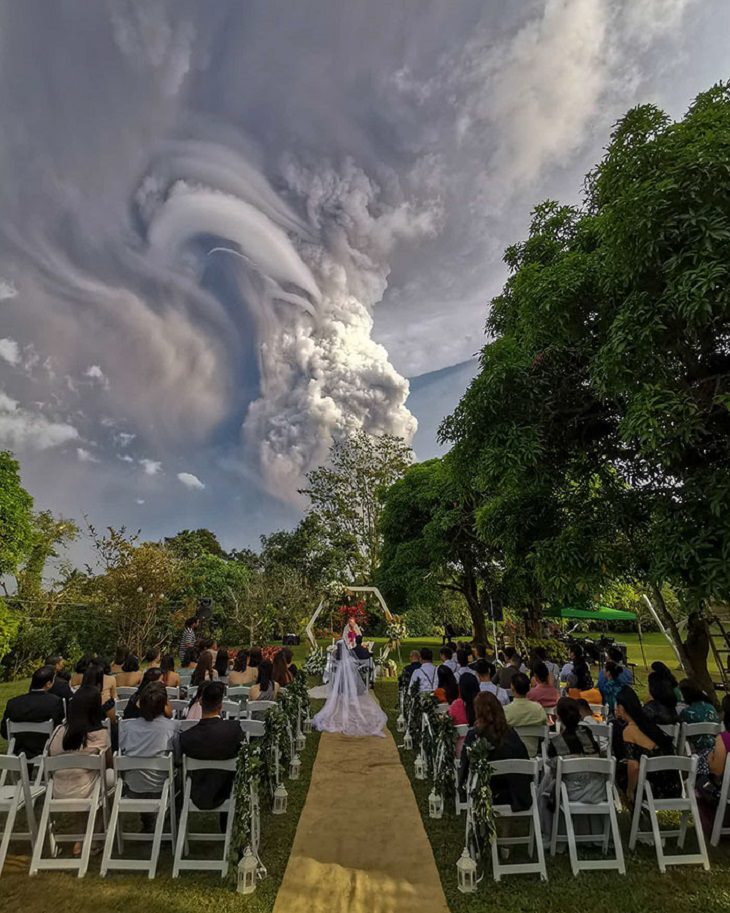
(125,458)
(10,351)
(139,500)
(189,480)
(86,456)
(151,467)
(7,289)
(123,438)
(21,428)
(94,373)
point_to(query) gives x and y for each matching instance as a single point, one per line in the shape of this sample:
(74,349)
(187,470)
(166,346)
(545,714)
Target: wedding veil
(349,708)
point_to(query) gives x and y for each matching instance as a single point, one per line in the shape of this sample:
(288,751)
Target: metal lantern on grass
(246,873)
(420,767)
(466,870)
(400,723)
(307,726)
(280,799)
(407,741)
(301,742)
(435,805)
(295,767)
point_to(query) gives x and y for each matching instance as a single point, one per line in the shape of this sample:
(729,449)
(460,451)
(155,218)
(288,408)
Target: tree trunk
(476,609)
(671,626)
(697,645)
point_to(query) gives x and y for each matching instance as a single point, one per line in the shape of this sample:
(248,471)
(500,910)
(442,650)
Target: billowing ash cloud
(229,228)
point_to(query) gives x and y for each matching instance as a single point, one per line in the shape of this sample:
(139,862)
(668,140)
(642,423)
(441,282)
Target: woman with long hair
(698,709)
(84,733)
(281,673)
(131,711)
(289,657)
(635,735)
(169,678)
(265,689)
(236,676)
(448,690)
(665,672)
(251,673)
(221,665)
(461,710)
(503,744)
(662,708)
(204,671)
(130,676)
(120,655)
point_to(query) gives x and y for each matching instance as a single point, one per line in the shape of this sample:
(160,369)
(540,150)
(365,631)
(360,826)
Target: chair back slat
(255,728)
(124,762)
(74,760)
(588,765)
(44,728)
(195,764)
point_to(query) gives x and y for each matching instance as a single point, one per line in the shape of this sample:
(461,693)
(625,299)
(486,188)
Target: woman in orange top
(448,690)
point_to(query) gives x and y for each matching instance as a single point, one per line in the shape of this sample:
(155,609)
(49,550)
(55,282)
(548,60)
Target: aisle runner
(360,845)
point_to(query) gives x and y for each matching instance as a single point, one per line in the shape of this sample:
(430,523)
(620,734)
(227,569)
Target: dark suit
(362,652)
(213,739)
(62,689)
(33,707)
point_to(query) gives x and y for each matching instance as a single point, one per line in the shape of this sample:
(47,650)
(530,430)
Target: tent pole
(641,641)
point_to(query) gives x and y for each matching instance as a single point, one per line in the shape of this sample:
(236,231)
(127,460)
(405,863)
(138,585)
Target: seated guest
(289,657)
(149,735)
(359,650)
(213,739)
(81,666)
(462,668)
(37,706)
(539,655)
(265,689)
(523,712)
(237,674)
(152,658)
(482,651)
(169,678)
(425,675)
(280,671)
(251,673)
(664,672)
(513,665)
(189,659)
(718,756)
(221,665)
(613,682)
(487,674)
(580,682)
(404,681)
(61,687)
(503,744)
(204,670)
(130,676)
(448,689)
(588,718)
(575,655)
(662,708)
(543,692)
(94,678)
(698,709)
(615,656)
(461,710)
(448,659)
(633,737)
(121,654)
(132,710)
(83,732)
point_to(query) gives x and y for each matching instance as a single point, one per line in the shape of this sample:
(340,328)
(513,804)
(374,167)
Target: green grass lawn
(643,888)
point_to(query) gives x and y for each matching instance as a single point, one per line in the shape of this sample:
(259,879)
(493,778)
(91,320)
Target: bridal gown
(350,708)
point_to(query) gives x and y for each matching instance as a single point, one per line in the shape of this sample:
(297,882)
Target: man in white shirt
(463,667)
(448,659)
(486,673)
(425,677)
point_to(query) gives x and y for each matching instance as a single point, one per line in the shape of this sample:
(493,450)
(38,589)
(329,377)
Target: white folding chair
(461,731)
(672,730)
(173,694)
(15,797)
(179,708)
(600,710)
(261,707)
(253,729)
(15,729)
(122,804)
(717,828)
(125,692)
(533,840)
(690,731)
(120,706)
(238,693)
(183,860)
(89,806)
(534,732)
(568,807)
(230,710)
(685,804)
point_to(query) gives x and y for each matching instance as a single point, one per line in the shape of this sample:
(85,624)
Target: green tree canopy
(189,544)
(16,530)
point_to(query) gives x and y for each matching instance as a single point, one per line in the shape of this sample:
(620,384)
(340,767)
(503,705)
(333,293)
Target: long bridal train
(350,708)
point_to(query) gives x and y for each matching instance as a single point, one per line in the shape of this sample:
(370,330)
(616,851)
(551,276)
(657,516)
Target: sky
(234,232)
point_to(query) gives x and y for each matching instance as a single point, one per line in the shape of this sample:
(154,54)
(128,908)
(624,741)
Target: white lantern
(466,869)
(246,876)
(280,799)
(301,742)
(400,723)
(421,768)
(407,741)
(294,767)
(307,726)
(435,805)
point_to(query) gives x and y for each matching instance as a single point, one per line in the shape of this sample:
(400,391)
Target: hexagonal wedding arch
(309,630)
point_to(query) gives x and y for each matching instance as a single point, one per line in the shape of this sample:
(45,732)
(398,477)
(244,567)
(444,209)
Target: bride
(349,708)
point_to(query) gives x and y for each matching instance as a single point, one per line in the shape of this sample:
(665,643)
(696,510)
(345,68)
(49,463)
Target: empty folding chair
(258,707)
(238,693)
(538,733)
(717,828)
(173,694)
(126,692)
(690,731)
(685,804)
(230,710)
(160,807)
(570,808)
(253,729)
(533,840)
(90,807)
(183,860)
(15,729)
(17,795)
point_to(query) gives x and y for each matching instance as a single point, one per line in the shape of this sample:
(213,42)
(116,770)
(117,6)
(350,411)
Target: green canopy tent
(600,613)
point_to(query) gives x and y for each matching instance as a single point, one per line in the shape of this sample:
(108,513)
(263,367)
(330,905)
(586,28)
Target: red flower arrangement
(357,611)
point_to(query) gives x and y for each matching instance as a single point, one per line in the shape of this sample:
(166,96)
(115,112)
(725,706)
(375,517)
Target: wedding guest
(132,710)
(615,656)
(543,692)
(150,735)
(60,687)
(539,655)
(360,651)
(81,666)
(290,664)
(448,659)
(190,659)
(169,678)
(221,665)
(425,675)
(94,678)
(152,657)
(523,712)
(487,674)
(718,756)
(503,744)
(187,638)
(130,676)
(461,710)
(698,709)
(513,665)
(119,656)
(613,682)
(83,732)
(666,673)
(237,674)
(404,680)
(580,682)
(662,708)
(37,706)
(213,739)
(265,689)
(204,670)
(280,670)
(448,689)
(482,651)
(251,673)
(463,667)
